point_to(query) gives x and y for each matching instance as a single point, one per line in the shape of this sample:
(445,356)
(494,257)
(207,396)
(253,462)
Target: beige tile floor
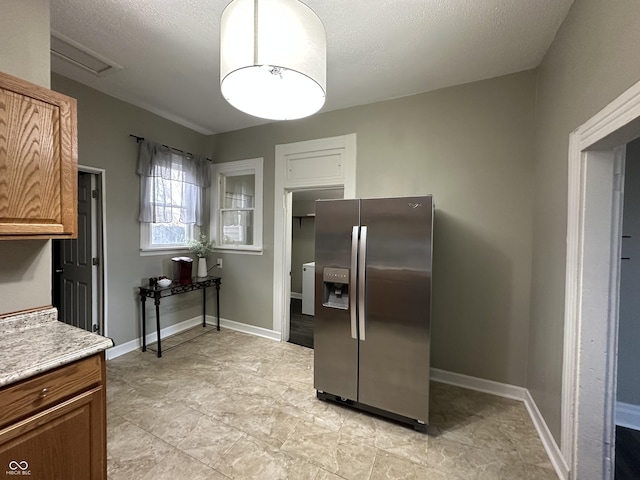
(233,406)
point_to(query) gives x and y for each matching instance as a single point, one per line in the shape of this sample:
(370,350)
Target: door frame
(594,223)
(296,168)
(99,248)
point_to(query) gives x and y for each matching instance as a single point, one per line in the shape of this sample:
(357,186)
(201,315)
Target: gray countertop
(35,342)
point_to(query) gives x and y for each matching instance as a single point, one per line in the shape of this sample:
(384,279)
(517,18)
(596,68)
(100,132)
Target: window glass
(237,227)
(239,191)
(237,210)
(169,234)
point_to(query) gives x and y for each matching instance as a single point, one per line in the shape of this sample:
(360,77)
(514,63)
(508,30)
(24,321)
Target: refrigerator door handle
(353,279)
(362,314)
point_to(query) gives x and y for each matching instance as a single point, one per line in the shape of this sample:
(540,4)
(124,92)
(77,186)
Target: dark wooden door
(73,267)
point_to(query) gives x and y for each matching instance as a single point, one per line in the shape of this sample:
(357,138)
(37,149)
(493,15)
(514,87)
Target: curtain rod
(139,139)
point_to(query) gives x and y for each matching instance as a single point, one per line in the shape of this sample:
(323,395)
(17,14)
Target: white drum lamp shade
(273,58)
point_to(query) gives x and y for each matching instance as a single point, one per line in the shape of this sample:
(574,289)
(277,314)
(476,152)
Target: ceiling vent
(70,51)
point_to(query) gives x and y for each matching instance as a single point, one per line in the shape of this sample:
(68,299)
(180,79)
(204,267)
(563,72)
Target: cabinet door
(65,442)
(38,161)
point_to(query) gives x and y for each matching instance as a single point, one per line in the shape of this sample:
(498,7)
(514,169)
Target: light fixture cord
(255,32)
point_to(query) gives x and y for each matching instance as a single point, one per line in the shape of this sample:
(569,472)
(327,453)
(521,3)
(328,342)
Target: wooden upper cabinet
(38,161)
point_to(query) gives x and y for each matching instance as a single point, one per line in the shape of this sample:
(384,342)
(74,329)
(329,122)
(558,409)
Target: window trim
(252,166)
(146,249)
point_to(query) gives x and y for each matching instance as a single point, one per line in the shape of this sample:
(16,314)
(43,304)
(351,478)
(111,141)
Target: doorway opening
(301,307)
(78,265)
(327,163)
(627,400)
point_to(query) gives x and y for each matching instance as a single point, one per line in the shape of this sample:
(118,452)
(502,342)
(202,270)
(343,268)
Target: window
(171,197)
(237,207)
(168,196)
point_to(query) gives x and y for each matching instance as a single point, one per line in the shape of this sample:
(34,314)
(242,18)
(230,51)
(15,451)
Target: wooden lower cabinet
(65,441)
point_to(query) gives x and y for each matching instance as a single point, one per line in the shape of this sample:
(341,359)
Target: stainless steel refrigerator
(373,305)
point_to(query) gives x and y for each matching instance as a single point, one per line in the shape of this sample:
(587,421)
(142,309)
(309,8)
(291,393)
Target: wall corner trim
(479,384)
(515,393)
(551,447)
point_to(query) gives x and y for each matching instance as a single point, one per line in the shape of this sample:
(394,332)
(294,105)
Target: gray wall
(592,60)
(25,275)
(629,319)
(302,249)
(104,125)
(471,146)
(24,40)
(302,241)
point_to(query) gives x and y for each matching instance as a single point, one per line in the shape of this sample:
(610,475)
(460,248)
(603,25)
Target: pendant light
(273,58)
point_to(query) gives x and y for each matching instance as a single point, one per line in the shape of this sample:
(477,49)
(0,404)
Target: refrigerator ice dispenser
(335,292)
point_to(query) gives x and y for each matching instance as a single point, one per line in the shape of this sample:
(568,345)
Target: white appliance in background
(308,287)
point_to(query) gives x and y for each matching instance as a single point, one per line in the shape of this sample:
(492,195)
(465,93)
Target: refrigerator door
(335,339)
(394,355)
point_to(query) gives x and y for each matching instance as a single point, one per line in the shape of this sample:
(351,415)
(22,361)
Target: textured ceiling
(377,49)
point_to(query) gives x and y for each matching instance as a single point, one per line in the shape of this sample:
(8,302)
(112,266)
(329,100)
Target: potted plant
(203,247)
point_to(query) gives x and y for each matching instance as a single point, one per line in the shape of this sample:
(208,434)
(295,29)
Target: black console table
(198,283)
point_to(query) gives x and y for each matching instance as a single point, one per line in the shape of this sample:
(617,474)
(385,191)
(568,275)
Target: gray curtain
(171,184)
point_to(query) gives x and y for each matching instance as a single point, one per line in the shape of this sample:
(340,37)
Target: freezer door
(335,341)
(394,355)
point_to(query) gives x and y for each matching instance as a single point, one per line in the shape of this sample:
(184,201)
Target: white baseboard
(515,393)
(132,345)
(245,328)
(548,442)
(628,415)
(117,350)
(296,295)
(478,384)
